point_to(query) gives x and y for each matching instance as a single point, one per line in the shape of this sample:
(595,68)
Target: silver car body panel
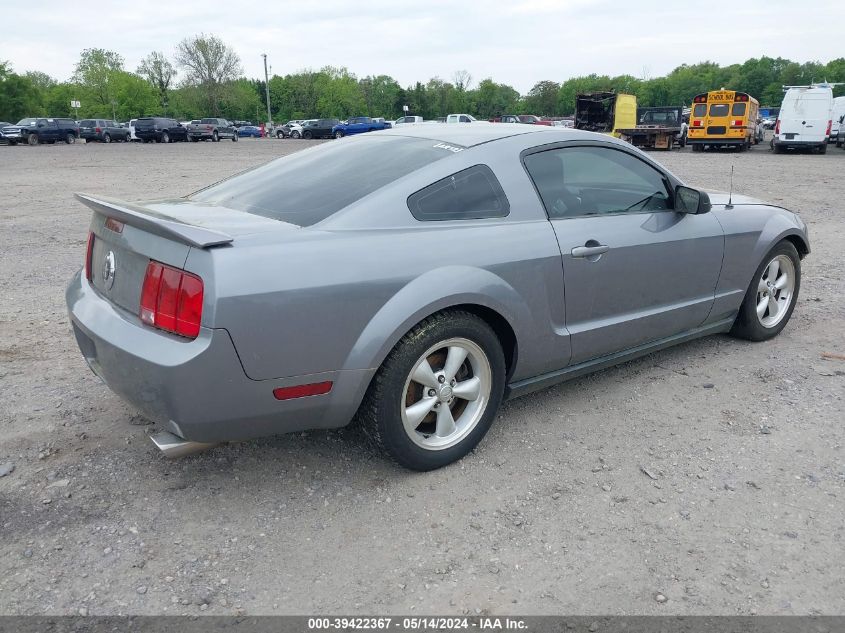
(287,305)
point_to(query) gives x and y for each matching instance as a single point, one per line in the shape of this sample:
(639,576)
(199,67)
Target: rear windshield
(308,187)
(719,109)
(150,122)
(87,122)
(209,121)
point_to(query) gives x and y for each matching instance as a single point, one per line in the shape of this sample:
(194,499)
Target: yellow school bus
(722,118)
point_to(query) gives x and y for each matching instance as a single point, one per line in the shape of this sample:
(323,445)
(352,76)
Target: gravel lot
(553,513)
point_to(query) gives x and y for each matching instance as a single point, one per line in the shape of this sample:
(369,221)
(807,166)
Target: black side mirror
(691,201)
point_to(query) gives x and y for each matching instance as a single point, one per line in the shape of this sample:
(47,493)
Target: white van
(837,129)
(805,119)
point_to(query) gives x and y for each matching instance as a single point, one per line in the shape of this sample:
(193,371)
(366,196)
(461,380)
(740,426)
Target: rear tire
(215,137)
(307,134)
(165,137)
(823,149)
(107,138)
(70,139)
(235,137)
(775,292)
(698,148)
(401,414)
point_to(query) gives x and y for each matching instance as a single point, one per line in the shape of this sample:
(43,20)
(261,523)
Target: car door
(634,269)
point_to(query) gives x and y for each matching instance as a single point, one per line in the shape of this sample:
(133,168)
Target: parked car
(405,120)
(103,130)
(160,130)
(319,128)
(574,248)
(2,125)
(837,131)
(35,130)
(460,118)
(249,131)
(130,125)
(357,125)
(530,119)
(805,119)
(212,129)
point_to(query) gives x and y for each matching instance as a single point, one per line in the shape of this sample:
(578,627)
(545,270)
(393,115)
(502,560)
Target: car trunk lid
(127,236)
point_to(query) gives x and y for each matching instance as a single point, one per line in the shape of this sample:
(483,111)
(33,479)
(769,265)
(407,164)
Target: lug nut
(431,393)
(441,379)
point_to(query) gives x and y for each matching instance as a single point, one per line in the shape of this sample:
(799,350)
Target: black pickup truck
(37,130)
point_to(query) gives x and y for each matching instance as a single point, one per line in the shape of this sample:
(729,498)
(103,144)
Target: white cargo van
(805,119)
(837,130)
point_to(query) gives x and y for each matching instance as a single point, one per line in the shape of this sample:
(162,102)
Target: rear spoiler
(143,218)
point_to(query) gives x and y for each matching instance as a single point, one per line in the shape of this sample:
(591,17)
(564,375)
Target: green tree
(158,70)
(19,96)
(542,99)
(96,72)
(209,64)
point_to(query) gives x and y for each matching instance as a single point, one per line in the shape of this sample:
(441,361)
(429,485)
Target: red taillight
(829,127)
(89,252)
(97,130)
(302,391)
(696,123)
(171,300)
(737,123)
(777,127)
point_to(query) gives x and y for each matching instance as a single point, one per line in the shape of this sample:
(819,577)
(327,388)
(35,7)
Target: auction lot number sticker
(416,624)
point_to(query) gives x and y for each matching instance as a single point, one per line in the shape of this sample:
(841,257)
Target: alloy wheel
(446,394)
(774,291)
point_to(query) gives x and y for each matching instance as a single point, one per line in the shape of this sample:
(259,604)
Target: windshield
(308,187)
(27,121)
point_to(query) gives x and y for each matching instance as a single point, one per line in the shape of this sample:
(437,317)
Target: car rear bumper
(716,141)
(798,143)
(198,389)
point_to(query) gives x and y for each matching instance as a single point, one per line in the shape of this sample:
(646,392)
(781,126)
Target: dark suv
(104,130)
(37,130)
(318,128)
(160,129)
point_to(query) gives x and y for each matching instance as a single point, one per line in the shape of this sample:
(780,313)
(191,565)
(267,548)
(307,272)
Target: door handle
(592,250)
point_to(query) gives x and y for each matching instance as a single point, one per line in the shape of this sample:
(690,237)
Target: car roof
(470,134)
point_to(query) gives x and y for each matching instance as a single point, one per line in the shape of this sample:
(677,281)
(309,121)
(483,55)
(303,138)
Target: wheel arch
(500,306)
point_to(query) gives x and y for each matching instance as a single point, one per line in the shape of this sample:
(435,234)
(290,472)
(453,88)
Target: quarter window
(579,181)
(471,194)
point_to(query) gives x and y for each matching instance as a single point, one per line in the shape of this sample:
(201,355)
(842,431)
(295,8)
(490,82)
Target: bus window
(738,109)
(719,109)
(700,109)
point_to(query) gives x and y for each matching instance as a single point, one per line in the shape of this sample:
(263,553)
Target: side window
(579,181)
(471,194)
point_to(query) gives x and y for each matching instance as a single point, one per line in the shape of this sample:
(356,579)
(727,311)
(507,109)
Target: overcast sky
(517,42)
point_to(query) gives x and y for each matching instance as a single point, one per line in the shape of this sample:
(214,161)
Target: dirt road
(711,474)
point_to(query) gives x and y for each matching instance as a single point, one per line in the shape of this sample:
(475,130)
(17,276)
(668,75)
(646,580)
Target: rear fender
(432,292)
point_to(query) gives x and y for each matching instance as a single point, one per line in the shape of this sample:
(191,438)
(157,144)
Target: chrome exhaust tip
(174,446)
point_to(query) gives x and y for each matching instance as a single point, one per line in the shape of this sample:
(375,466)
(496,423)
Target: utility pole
(267,90)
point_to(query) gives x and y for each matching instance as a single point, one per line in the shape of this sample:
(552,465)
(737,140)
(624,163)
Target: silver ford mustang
(412,279)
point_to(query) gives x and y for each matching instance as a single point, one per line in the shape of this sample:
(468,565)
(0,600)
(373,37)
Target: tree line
(212,84)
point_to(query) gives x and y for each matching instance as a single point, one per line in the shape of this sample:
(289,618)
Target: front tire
(165,137)
(437,392)
(32,139)
(215,137)
(771,297)
(235,137)
(295,134)
(107,138)
(338,134)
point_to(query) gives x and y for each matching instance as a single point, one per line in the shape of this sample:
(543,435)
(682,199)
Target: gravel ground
(706,479)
